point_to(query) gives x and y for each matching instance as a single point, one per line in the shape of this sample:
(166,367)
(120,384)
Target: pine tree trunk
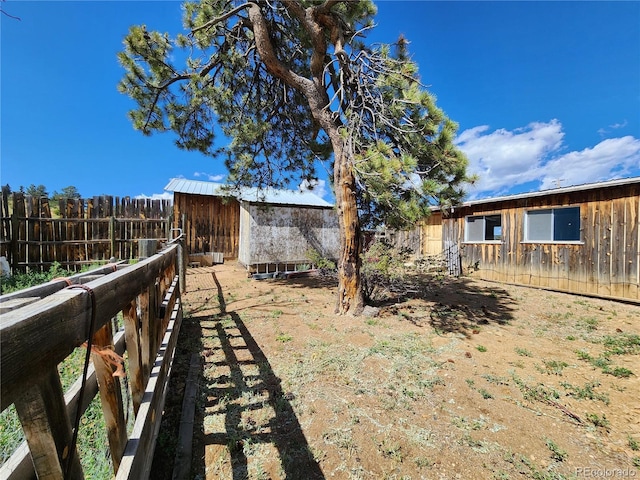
(350,296)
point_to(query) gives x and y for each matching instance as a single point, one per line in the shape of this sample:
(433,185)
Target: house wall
(605,263)
(211,224)
(283,234)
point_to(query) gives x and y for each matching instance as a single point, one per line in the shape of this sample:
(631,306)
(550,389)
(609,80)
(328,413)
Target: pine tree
(66,192)
(293,85)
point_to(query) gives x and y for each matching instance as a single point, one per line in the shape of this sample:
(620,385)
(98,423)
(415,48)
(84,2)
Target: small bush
(382,265)
(316,258)
(22,280)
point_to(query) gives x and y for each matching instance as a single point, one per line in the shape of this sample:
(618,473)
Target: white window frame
(484,228)
(579,241)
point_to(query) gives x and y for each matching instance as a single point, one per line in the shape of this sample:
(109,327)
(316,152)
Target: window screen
(475,229)
(555,224)
(539,225)
(483,228)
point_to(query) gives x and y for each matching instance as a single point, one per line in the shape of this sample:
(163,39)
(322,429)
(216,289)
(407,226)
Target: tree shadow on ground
(243,412)
(447,304)
(451,304)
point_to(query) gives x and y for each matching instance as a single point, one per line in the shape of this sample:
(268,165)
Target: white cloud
(156,196)
(611,158)
(605,131)
(209,177)
(318,187)
(504,159)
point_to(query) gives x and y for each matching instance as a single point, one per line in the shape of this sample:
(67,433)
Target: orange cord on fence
(111,357)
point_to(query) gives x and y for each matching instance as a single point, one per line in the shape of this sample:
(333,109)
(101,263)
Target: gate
(453,257)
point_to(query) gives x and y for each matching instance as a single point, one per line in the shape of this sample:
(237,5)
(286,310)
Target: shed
(582,239)
(259,228)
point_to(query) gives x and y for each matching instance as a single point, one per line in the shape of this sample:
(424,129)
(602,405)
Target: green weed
(557,453)
(623,344)
(495,379)
(619,372)
(538,393)
(598,421)
(284,337)
(485,394)
(587,392)
(589,323)
(554,367)
(391,449)
(422,462)
(523,352)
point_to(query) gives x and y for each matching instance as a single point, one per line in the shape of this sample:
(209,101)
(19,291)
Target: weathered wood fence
(83,230)
(42,326)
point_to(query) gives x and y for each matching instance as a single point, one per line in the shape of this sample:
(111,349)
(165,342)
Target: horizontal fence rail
(56,319)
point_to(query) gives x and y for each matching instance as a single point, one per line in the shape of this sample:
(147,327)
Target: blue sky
(545,93)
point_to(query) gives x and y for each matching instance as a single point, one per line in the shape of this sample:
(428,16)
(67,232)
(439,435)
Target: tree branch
(221,18)
(266,51)
(10,16)
(328,5)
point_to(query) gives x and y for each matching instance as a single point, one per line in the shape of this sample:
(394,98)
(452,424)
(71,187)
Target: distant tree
(39,191)
(292,84)
(67,192)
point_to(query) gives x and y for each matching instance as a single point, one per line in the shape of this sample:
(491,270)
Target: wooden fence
(43,325)
(83,231)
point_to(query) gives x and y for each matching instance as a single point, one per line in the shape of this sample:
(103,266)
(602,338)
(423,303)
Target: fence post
(181,264)
(112,236)
(13,260)
(147,247)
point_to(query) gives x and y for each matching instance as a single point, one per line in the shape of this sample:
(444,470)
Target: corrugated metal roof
(553,191)
(253,195)
(195,187)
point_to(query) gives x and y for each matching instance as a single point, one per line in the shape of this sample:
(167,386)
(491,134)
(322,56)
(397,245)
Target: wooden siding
(211,224)
(431,235)
(605,263)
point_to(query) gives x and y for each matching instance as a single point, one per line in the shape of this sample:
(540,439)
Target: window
(483,228)
(553,225)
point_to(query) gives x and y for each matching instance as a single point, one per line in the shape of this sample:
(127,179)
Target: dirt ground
(466,379)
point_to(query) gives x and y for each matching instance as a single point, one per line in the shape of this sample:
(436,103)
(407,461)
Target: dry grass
(465,380)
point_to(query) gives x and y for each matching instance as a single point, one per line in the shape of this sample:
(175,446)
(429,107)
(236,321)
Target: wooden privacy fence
(83,231)
(37,334)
